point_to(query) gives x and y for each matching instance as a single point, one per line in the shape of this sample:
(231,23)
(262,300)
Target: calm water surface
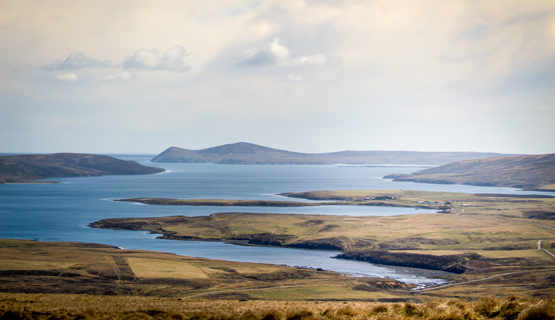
(63,211)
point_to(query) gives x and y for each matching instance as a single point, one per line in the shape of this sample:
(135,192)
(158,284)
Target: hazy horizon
(298,151)
(305,76)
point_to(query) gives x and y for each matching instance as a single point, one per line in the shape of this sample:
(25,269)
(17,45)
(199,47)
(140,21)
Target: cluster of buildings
(434,203)
(441,203)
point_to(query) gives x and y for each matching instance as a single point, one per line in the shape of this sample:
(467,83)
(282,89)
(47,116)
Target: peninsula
(530,172)
(474,232)
(248,153)
(32,167)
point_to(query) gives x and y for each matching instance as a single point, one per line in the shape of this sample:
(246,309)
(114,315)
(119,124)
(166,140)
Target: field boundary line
(540,225)
(253,289)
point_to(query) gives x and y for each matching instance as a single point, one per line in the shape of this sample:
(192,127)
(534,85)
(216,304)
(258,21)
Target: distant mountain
(248,153)
(27,168)
(530,172)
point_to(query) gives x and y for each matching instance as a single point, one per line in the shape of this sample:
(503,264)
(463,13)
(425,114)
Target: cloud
(171,60)
(458,56)
(292,77)
(77,61)
(275,53)
(258,64)
(120,77)
(67,77)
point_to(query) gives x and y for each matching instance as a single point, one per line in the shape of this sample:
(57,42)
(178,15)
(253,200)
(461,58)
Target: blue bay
(63,211)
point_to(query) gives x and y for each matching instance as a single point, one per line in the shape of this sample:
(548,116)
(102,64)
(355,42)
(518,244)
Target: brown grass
(63,268)
(32,306)
(491,222)
(417,231)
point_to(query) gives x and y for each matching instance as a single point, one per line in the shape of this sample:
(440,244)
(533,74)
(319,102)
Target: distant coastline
(252,154)
(530,172)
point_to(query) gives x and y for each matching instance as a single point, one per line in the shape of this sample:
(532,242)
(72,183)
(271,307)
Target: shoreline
(340,244)
(375,239)
(31,182)
(273,203)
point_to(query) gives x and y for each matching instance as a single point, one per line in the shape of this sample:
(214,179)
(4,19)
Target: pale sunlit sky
(309,76)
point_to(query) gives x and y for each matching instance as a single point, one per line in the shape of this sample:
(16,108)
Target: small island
(252,154)
(32,167)
(369,198)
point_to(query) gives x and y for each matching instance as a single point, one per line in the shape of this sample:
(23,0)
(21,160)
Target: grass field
(487,234)
(547,187)
(61,268)
(33,306)
(416,231)
(165,268)
(494,254)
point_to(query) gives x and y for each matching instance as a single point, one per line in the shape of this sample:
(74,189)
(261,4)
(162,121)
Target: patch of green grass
(164,268)
(32,265)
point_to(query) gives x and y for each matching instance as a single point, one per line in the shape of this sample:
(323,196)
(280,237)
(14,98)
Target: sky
(135,76)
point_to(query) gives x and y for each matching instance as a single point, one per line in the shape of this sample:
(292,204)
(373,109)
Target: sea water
(63,211)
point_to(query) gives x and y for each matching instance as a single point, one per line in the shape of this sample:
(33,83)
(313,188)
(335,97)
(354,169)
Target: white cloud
(316,59)
(77,61)
(67,77)
(276,53)
(120,77)
(171,60)
(459,56)
(292,77)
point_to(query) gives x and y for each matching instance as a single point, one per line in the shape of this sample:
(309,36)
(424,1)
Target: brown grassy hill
(530,172)
(27,168)
(248,153)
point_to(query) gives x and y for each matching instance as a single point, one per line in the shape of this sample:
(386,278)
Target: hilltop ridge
(248,153)
(529,172)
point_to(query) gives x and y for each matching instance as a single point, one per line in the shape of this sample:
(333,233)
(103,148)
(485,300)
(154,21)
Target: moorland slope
(248,153)
(529,172)
(28,168)
(94,269)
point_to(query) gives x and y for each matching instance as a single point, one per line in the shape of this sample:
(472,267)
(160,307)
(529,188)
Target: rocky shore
(449,263)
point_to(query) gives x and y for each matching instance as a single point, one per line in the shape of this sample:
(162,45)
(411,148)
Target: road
(540,243)
(478,280)
(549,253)
(251,289)
(540,247)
